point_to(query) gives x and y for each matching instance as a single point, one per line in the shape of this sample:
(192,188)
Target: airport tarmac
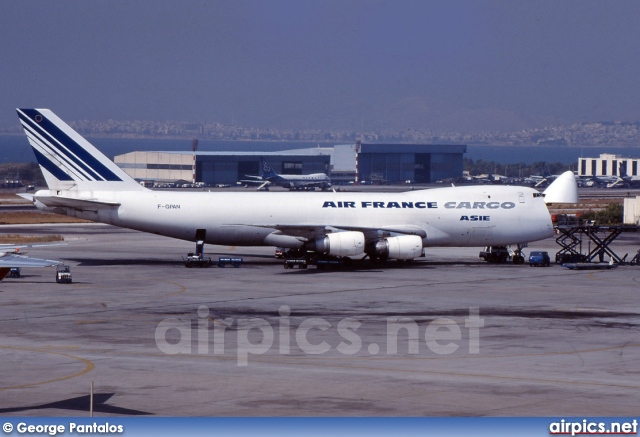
(446,335)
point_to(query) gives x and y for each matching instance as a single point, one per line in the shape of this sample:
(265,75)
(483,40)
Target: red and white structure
(357,180)
(194,147)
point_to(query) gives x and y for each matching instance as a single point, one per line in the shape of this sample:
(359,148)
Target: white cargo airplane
(290,181)
(84,183)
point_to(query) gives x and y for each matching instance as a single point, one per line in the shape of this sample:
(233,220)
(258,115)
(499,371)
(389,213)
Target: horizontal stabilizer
(27,196)
(79,204)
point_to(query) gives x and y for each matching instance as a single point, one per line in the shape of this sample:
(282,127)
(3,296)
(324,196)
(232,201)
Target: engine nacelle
(404,247)
(341,244)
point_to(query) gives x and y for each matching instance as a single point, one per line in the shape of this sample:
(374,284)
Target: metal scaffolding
(571,241)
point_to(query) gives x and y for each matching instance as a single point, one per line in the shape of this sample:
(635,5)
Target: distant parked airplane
(624,180)
(292,182)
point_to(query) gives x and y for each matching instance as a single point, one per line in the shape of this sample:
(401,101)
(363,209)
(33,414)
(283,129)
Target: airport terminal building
(364,163)
(608,165)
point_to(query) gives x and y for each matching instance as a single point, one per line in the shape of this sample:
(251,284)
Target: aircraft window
(538,195)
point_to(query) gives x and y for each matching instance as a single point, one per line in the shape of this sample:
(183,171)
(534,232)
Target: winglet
(563,190)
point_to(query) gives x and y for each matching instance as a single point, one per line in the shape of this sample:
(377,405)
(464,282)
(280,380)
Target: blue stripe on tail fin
(67,159)
(64,145)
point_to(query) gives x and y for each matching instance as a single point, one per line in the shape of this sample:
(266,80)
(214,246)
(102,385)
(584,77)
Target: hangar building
(220,167)
(418,163)
(369,163)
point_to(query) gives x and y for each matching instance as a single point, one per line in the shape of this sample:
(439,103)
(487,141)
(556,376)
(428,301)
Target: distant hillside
(594,134)
(618,134)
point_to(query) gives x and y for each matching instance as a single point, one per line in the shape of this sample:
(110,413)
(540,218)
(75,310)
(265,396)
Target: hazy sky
(441,65)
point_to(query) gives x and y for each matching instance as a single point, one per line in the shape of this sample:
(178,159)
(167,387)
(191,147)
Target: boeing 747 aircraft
(84,183)
(290,181)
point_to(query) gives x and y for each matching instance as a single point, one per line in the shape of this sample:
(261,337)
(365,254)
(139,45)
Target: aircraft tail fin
(67,160)
(267,171)
(563,190)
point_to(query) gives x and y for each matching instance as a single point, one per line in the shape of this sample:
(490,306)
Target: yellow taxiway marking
(175,293)
(89,366)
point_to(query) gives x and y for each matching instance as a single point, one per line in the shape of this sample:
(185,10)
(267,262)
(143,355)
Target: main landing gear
(301,259)
(518,257)
(198,259)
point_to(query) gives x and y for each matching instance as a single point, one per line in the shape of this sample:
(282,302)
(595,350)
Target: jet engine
(403,248)
(341,244)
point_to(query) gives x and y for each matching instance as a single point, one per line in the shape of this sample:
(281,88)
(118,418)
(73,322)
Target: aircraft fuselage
(460,216)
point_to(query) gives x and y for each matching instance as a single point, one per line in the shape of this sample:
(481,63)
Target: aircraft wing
(79,204)
(11,260)
(311,232)
(319,184)
(261,182)
(15,248)
(254,181)
(394,229)
(15,260)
